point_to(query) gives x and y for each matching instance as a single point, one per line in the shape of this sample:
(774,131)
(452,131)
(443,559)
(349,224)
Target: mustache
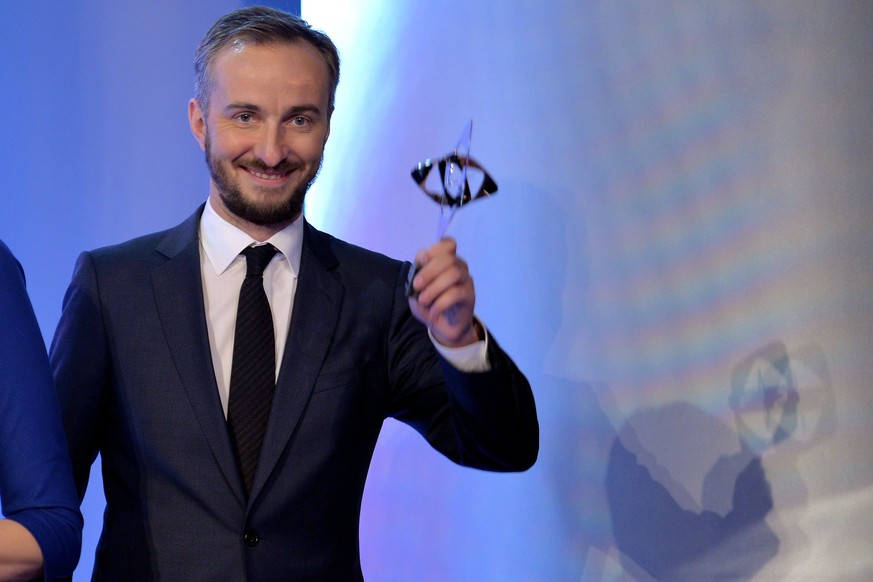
(258,164)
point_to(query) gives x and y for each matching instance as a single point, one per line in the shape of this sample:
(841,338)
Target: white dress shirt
(223,268)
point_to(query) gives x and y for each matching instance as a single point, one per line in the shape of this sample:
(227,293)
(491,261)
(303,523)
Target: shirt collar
(223,241)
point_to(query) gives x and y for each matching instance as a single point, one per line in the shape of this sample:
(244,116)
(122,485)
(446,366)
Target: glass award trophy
(452,182)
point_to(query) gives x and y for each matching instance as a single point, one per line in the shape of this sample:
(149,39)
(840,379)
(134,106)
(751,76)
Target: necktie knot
(257,259)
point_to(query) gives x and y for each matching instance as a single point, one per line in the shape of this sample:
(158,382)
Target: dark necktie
(253,371)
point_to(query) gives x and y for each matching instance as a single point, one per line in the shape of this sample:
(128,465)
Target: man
(146,352)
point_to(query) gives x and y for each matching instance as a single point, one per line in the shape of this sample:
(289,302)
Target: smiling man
(263,128)
(234,371)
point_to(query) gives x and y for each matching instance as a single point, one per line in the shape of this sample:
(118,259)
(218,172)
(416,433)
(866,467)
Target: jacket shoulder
(154,246)
(345,255)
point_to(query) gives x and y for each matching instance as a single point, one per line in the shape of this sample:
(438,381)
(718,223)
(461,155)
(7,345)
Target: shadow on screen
(661,529)
(652,525)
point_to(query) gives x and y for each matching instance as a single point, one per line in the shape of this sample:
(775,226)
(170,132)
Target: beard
(286,209)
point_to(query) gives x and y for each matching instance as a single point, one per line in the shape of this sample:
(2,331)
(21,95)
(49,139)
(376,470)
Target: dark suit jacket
(136,383)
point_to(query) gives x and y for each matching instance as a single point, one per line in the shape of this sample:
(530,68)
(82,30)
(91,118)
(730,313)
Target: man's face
(264,132)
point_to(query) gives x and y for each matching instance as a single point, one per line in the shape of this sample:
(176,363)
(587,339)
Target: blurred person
(42,532)
(210,470)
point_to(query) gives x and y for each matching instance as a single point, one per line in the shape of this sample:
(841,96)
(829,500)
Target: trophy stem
(445,218)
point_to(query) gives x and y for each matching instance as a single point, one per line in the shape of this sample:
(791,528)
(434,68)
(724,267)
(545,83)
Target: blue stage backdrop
(678,256)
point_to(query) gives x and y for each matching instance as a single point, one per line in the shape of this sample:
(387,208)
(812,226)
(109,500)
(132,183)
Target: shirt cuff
(471,358)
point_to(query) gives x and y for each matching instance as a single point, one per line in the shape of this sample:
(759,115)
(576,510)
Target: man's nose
(271,147)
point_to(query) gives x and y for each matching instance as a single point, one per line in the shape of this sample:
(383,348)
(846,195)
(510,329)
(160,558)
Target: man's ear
(327,133)
(197,122)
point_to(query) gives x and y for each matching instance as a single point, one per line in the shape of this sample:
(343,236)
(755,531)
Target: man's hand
(446,296)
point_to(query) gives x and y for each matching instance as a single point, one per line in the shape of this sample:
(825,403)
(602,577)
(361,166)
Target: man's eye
(299,121)
(245,117)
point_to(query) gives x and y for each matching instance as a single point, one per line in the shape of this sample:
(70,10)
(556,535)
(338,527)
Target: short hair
(259,25)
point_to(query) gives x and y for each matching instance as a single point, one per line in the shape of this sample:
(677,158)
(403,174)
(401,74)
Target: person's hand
(445,295)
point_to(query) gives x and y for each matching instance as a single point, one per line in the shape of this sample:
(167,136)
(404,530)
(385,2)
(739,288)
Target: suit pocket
(332,379)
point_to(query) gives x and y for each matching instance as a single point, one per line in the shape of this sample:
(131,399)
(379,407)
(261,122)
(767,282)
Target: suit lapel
(316,310)
(178,292)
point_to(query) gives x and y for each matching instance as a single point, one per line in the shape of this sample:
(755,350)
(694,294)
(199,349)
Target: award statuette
(457,181)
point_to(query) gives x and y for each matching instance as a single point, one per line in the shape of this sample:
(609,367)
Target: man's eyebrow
(291,111)
(303,108)
(237,105)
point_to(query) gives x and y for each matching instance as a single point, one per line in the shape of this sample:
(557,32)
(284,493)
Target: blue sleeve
(36,480)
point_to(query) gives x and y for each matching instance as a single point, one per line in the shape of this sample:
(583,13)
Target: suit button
(251,538)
